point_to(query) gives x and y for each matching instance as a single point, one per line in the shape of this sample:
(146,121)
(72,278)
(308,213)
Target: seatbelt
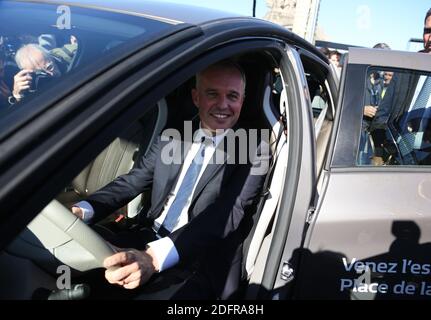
(246,263)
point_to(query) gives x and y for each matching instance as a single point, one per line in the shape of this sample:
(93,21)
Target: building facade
(299,17)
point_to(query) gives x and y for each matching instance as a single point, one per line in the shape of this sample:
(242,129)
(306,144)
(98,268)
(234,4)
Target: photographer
(35,64)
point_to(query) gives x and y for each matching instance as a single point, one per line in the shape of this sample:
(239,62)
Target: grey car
(345,212)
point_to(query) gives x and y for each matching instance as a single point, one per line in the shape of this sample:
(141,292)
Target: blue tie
(408,139)
(424,95)
(184,193)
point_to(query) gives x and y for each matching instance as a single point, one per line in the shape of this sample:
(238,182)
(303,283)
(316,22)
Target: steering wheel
(56,234)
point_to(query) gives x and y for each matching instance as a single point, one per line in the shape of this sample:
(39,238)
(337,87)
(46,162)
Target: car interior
(404,138)
(322,106)
(56,237)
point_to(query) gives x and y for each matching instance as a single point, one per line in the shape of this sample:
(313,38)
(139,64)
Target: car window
(316,75)
(40,44)
(320,104)
(396,128)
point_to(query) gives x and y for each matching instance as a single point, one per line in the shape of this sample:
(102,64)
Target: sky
(367,22)
(354,22)
(243,7)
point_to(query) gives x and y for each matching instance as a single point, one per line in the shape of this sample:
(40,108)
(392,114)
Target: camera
(37,77)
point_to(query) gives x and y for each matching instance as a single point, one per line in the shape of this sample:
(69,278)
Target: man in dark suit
(402,87)
(396,104)
(188,216)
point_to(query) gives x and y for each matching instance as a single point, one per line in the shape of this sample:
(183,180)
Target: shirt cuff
(87,210)
(165,252)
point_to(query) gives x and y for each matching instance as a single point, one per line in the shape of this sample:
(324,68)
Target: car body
(331,229)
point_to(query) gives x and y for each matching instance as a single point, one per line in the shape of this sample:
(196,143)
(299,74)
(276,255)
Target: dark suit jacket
(397,100)
(219,202)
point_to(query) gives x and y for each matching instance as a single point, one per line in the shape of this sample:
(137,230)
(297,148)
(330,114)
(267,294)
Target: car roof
(393,58)
(165,11)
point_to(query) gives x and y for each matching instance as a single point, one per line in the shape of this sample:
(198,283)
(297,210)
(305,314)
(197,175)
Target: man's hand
(77,211)
(370,111)
(130,268)
(21,82)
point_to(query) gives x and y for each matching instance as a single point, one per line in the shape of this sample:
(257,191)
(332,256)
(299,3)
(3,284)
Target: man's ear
(195,97)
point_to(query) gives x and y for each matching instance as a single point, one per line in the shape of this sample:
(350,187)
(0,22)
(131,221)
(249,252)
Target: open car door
(370,236)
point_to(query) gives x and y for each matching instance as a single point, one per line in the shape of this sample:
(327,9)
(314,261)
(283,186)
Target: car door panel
(370,236)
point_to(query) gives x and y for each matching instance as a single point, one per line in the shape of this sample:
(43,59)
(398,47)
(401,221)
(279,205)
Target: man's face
(219,96)
(427,35)
(335,60)
(387,77)
(38,62)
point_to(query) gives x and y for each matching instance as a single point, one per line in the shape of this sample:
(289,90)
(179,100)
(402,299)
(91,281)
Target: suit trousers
(162,286)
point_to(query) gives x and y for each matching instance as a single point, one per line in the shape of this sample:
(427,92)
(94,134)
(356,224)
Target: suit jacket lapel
(217,163)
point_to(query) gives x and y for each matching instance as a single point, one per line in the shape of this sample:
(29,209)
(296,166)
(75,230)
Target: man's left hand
(130,268)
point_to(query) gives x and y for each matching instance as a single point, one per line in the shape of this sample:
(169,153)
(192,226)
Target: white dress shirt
(164,249)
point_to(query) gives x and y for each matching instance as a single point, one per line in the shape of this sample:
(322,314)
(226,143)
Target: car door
(277,262)
(370,235)
(44,152)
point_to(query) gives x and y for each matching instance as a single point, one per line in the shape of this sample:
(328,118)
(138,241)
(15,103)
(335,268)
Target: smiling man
(191,203)
(219,95)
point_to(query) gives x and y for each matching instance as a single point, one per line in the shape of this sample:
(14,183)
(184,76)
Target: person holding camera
(35,63)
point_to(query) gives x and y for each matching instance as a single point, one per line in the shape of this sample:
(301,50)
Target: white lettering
(415,268)
(405,264)
(403,288)
(425,289)
(348,266)
(63,21)
(383,288)
(221,309)
(363,22)
(392,268)
(346,284)
(259,309)
(64,280)
(179,310)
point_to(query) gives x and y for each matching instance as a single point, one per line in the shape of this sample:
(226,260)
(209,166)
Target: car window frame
(180,69)
(24,114)
(352,91)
